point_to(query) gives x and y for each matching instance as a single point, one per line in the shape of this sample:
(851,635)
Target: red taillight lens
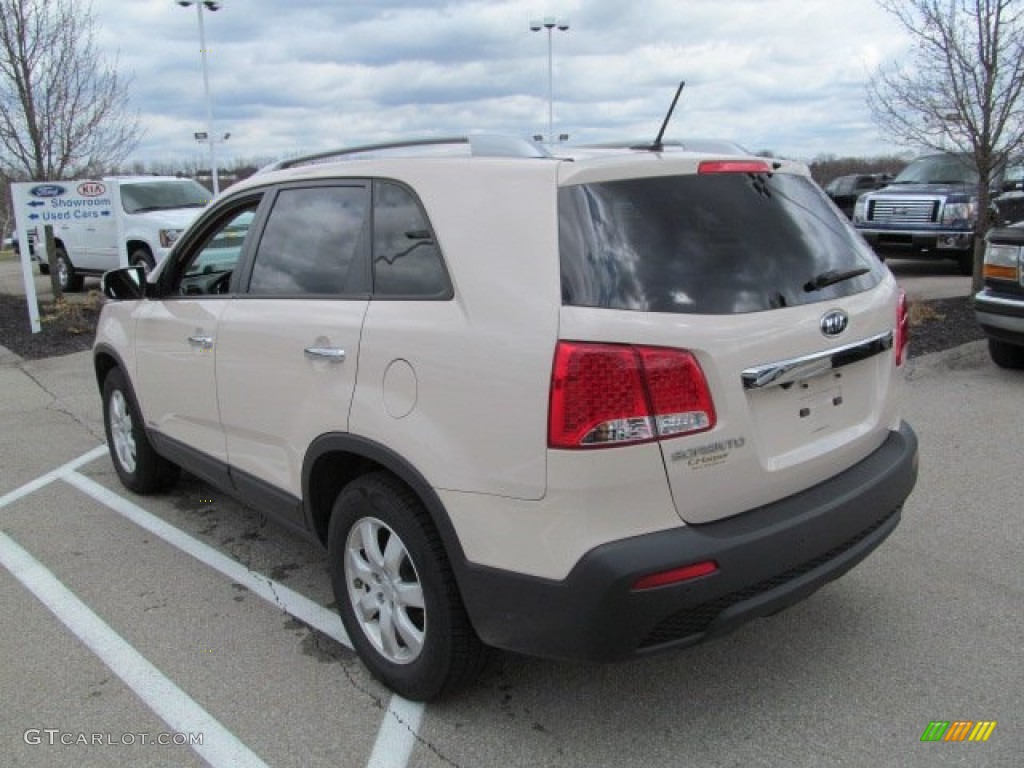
(902,329)
(676,575)
(733,166)
(597,397)
(680,399)
(609,394)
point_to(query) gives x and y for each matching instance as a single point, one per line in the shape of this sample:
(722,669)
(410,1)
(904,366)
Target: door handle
(330,354)
(201,342)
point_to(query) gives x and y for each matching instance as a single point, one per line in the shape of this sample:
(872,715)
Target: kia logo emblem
(91,189)
(834,323)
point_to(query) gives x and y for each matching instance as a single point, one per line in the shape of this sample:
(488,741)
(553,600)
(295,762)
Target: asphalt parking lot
(187,618)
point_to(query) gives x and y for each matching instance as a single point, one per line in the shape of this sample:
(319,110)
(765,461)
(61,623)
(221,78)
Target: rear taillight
(609,394)
(902,329)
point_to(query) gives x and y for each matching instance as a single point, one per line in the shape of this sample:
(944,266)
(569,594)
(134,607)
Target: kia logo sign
(834,323)
(91,189)
(47,190)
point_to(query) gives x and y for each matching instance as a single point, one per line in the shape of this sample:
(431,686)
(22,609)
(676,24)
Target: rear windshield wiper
(831,277)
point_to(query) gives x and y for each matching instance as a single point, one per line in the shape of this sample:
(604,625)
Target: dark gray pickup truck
(931,207)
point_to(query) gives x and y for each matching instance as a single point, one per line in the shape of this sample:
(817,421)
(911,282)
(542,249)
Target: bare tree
(63,110)
(961,89)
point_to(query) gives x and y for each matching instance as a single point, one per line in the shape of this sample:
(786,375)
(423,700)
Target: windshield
(939,169)
(163,195)
(713,244)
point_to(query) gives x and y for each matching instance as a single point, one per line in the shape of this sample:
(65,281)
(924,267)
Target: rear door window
(406,260)
(707,244)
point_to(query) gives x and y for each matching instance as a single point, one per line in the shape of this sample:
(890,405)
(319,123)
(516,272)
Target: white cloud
(786,75)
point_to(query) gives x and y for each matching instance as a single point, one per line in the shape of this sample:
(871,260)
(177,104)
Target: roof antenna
(657,146)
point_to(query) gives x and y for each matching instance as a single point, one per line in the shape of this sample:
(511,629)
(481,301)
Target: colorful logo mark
(91,189)
(958,730)
(47,190)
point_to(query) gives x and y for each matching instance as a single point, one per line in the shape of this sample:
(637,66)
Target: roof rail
(476,145)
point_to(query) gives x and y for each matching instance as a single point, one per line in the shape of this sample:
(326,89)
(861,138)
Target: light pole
(210,6)
(203,137)
(550,23)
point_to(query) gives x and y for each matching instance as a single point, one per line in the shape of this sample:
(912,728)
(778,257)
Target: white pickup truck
(154,211)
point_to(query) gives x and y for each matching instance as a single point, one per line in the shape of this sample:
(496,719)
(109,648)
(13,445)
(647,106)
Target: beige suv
(585,407)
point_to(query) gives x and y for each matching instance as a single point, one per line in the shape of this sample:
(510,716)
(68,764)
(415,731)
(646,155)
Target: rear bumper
(768,558)
(1001,318)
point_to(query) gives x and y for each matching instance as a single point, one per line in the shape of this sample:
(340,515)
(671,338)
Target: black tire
(69,281)
(445,652)
(139,466)
(141,257)
(1006,355)
(965,263)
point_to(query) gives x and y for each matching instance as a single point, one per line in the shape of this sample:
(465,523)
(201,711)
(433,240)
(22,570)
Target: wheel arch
(135,243)
(105,359)
(333,460)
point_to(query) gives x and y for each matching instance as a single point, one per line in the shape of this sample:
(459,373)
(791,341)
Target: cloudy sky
(304,75)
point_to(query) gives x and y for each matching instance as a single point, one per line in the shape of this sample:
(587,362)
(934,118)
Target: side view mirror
(125,284)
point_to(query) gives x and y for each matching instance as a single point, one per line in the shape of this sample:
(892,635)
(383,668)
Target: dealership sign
(76,210)
(62,204)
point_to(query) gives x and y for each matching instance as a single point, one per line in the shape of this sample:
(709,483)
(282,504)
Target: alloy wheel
(385,591)
(121,431)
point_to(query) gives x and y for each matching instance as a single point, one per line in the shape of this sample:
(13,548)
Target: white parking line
(288,600)
(397,735)
(49,477)
(399,730)
(220,747)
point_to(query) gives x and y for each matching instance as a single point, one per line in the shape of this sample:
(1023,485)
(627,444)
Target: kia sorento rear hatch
(726,312)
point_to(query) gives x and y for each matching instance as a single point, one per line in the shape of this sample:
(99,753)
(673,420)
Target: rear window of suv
(706,244)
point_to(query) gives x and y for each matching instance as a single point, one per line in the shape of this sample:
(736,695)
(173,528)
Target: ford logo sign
(47,190)
(834,323)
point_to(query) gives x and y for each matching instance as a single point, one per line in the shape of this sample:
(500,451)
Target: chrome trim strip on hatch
(809,366)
